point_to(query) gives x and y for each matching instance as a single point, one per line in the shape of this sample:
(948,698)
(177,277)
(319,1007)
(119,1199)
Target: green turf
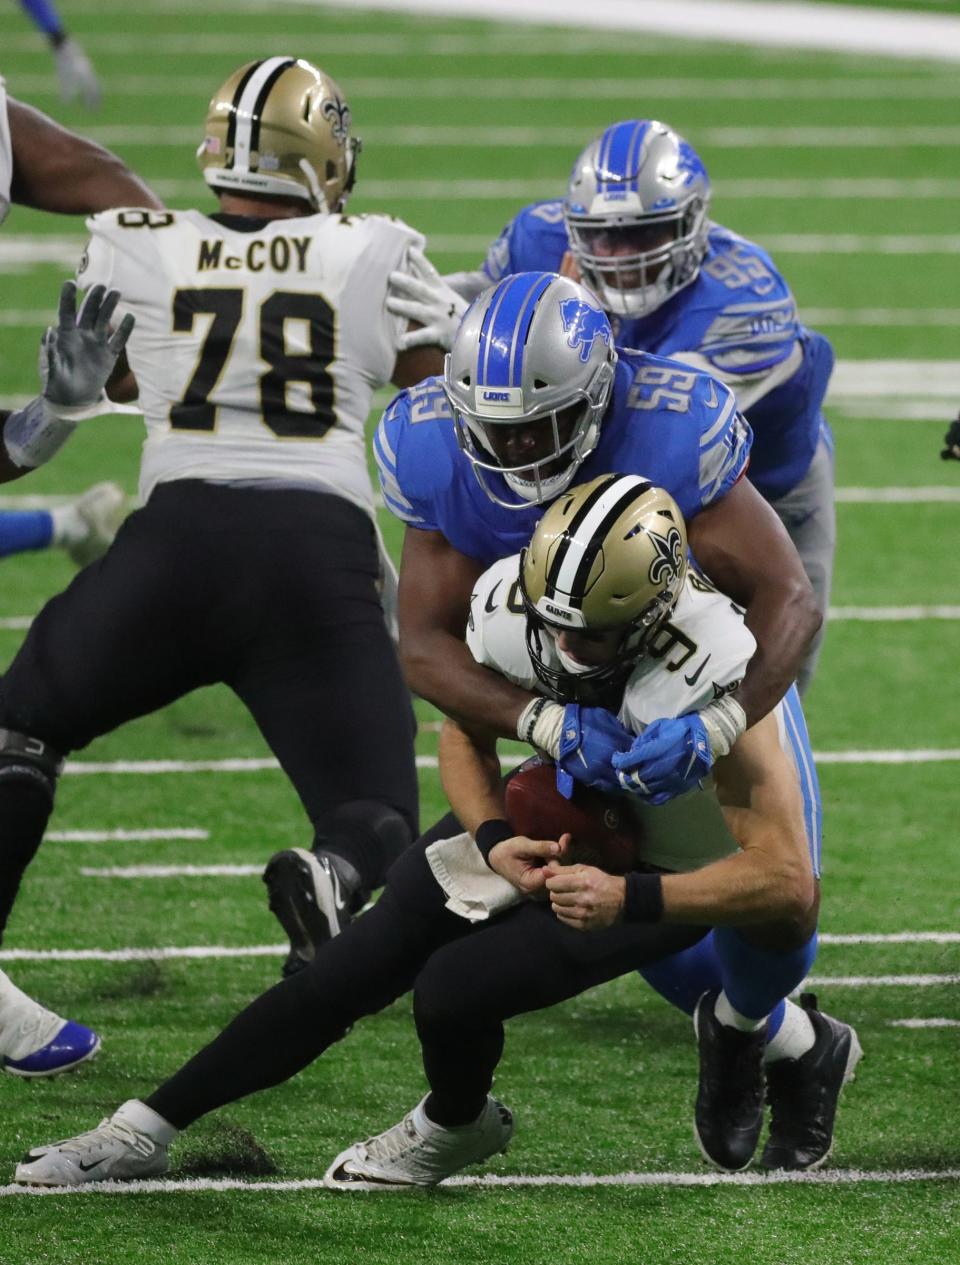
(603,1085)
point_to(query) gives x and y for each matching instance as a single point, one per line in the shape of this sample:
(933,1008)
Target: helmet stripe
(261,104)
(506,326)
(248,105)
(237,96)
(587,532)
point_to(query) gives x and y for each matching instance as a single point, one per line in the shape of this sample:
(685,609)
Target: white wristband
(33,434)
(541,724)
(724,720)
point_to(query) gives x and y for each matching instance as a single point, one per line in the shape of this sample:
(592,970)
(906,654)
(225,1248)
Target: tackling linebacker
(590,610)
(634,227)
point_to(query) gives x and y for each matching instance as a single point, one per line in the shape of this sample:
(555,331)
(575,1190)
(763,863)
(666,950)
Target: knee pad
(28,763)
(366,833)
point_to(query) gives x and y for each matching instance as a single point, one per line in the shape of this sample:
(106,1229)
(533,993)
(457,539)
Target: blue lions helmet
(636,214)
(528,378)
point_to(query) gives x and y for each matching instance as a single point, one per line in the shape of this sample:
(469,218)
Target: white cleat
(99,513)
(116,1150)
(417,1152)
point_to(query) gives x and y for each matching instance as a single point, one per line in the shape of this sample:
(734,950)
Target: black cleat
(729,1111)
(313,896)
(803,1093)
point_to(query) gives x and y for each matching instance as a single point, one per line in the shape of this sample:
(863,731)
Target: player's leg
(524,960)
(84,527)
(809,514)
(325,687)
(355,974)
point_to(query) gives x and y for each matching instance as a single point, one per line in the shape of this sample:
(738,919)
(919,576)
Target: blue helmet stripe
(603,156)
(506,326)
(622,148)
(633,158)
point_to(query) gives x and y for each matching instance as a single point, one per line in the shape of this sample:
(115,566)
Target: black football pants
(270,591)
(468,979)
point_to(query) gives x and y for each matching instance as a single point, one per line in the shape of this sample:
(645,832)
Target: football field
(144,915)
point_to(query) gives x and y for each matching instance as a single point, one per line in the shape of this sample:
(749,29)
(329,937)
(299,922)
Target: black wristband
(489,833)
(643,901)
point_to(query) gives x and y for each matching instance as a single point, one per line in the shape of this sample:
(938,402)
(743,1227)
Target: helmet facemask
(528,379)
(636,216)
(606,565)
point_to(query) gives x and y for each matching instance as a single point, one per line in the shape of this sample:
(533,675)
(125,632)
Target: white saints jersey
(256,352)
(6,154)
(701,653)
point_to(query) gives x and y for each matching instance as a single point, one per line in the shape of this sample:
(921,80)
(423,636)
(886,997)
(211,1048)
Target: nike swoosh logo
(712,400)
(85,1168)
(489,605)
(692,680)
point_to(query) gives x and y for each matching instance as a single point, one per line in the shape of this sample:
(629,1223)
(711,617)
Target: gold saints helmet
(281,126)
(607,555)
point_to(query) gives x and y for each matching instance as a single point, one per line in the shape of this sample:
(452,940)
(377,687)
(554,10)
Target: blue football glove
(591,737)
(668,759)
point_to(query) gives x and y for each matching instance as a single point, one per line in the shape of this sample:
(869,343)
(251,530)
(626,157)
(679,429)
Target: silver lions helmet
(636,215)
(604,567)
(528,378)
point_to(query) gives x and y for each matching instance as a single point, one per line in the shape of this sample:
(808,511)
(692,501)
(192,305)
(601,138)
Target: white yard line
(172,871)
(892,614)
(890,937)
(200,1185)
(126,836)
(526,88)
(923,1023)
(460,136)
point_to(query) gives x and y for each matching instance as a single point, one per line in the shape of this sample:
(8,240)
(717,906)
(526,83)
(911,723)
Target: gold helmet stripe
(248,106)
(586,533)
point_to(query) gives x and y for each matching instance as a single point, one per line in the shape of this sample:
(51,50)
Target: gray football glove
(78,356)
(423,296)
(75,73)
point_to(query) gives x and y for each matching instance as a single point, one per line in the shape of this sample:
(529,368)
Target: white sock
(68,527)
(731,1018)
(144,1119)
(793,1038)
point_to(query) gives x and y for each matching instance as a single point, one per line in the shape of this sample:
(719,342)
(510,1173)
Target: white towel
(473,890)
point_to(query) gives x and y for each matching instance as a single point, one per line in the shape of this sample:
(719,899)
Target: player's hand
(584,897)
(952,440)
(75,73)
(590,738)
(423,296)
(521,861)
(569,267)
(77,357)
(668,759)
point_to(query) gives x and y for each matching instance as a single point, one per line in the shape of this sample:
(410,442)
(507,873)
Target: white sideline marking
(834,28)
(172,871)
(923,1023)
(917,755)
(125,836)
(907,88)
(199,1185)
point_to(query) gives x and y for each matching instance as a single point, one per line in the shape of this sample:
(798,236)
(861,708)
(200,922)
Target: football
(603,833)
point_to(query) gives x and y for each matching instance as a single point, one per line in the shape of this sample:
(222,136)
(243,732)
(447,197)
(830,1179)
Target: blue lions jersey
(739,316)
(677,427)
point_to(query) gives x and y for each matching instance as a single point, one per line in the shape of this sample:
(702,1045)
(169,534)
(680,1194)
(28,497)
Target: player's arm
(768,881)
(470,774)
(744,548)
(77,357)
(436,581)
(58,170)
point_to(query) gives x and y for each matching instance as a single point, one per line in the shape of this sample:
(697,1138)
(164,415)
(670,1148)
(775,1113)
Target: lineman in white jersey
(261,335)
(45,166)
(452,920)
